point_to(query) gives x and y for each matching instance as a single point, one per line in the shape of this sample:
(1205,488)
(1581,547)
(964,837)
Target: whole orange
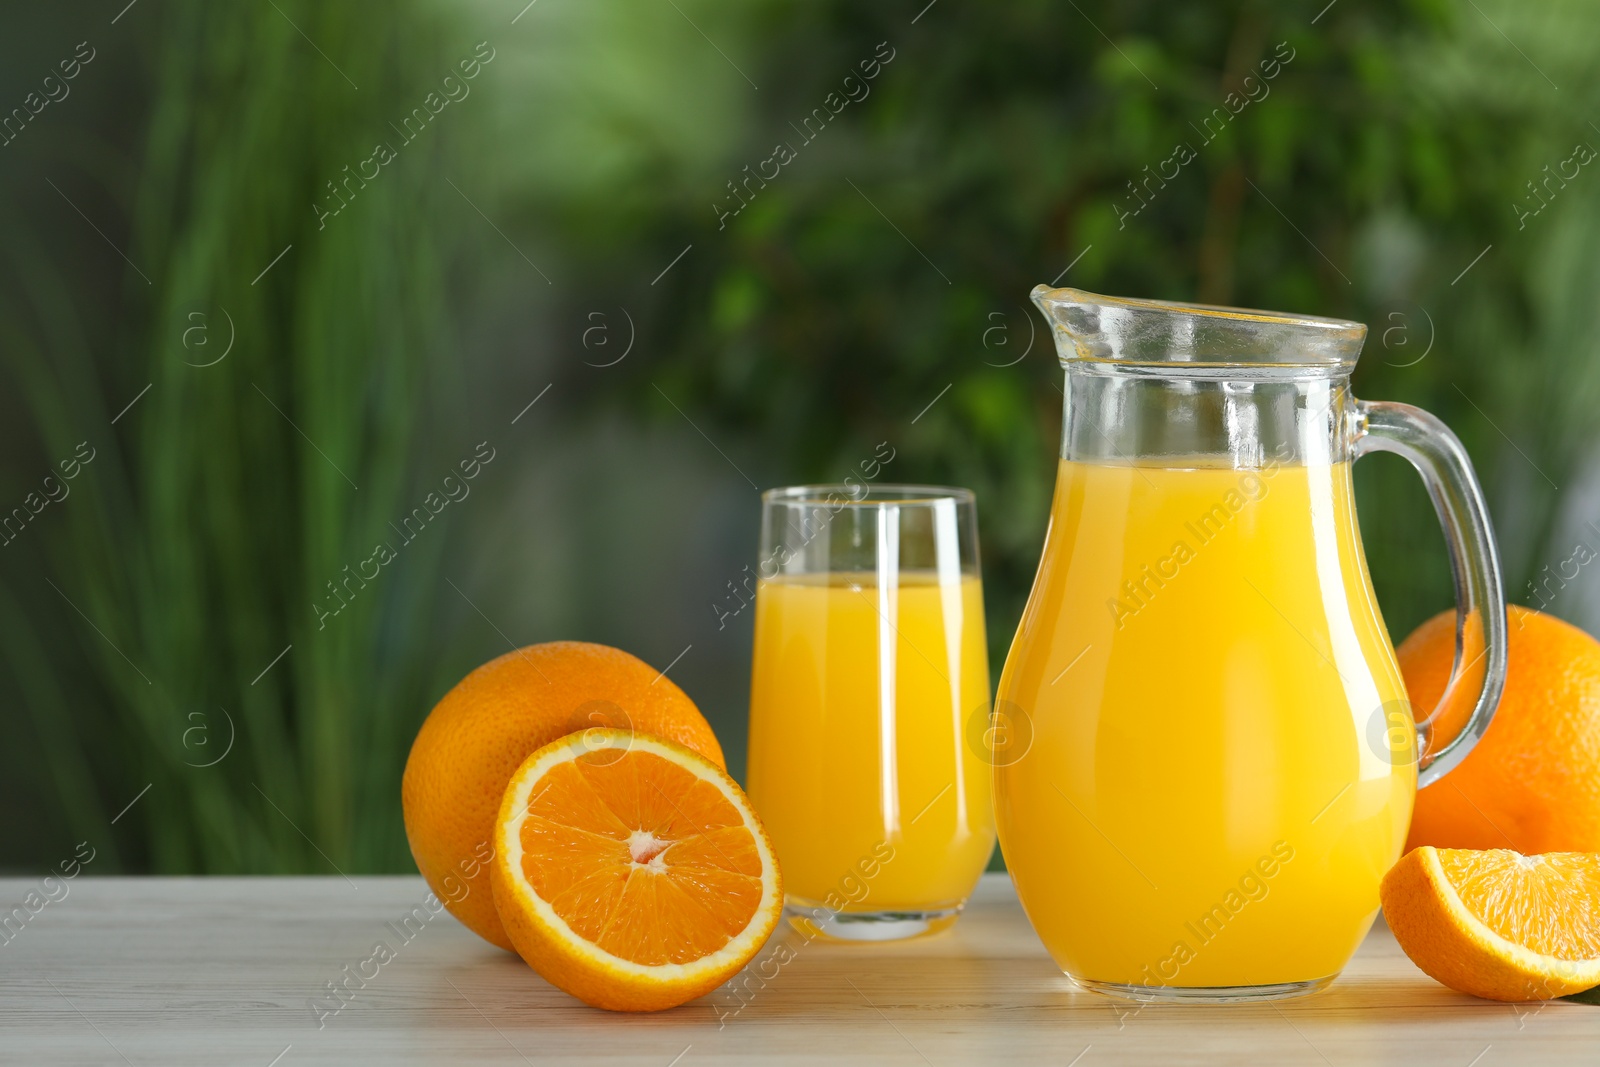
(1532,782)
(495,717)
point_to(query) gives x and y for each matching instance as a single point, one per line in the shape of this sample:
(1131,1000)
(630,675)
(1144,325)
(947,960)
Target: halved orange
(630,871)
(1498,924)
(482,730)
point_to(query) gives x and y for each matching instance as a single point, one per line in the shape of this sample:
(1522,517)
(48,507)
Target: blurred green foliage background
(269,386)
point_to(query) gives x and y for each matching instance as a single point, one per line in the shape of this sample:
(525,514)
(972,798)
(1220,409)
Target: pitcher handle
(1437,455)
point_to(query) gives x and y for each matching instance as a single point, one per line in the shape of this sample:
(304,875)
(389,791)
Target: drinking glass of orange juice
(870,665)
(1222,760)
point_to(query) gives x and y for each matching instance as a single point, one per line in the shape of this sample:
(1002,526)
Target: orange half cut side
(1498,924)
(631,872)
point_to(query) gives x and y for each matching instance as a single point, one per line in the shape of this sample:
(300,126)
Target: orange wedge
(1498,924)
(630,871)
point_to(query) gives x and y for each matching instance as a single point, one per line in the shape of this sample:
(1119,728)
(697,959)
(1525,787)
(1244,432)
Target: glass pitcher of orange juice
(1209,759)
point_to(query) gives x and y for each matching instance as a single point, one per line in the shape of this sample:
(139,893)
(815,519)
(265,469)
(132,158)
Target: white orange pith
(630,871)
(1496,923)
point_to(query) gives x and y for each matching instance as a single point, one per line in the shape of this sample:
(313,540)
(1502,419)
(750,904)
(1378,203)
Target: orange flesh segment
(1549,904)
(640,856)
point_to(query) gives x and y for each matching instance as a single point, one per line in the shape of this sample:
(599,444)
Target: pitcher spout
(1189,338)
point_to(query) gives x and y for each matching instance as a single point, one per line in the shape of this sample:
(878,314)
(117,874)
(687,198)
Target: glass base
(1222,994)
(814,920)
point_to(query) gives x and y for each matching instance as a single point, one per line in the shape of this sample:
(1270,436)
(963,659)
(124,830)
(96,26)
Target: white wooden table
(180,971)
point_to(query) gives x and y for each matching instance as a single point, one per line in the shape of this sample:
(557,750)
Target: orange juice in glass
(1222,759)
(870,667)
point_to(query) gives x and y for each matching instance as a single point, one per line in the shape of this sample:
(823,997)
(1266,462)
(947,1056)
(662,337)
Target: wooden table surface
(134,971)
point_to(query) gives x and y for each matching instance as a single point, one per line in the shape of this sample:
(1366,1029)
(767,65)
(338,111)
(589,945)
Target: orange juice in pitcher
(1221,762)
